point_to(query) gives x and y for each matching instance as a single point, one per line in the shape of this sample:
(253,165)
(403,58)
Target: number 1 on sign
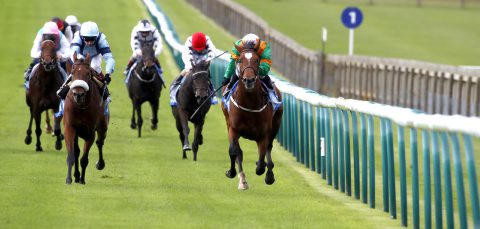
(353,17)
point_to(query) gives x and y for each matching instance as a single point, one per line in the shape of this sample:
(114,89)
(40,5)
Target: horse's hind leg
(58,133)
(178,124)
(48,127)
(154,105)
(70,145)
(133,124)
(28,138)
(197,138)
(38,131)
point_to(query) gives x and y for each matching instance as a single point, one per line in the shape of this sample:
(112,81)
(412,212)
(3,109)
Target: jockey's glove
(107,78)
(225,81)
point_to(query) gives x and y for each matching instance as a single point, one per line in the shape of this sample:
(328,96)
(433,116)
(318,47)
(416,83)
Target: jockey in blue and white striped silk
(90,41)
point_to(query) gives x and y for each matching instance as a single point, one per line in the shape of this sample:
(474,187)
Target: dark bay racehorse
(251,116)
(192,92)
(41,96)
(83,116)
(145,85)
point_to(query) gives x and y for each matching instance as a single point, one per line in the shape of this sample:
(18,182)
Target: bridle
(255,70)
(48,66)
(195,77)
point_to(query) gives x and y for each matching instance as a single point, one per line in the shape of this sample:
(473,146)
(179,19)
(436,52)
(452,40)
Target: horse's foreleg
(185,130)
(76,150)
(197,138)
(178,124)
(133,124)
(38,130)
(84,160)
(262,148)
(48,127)
(233,151)
(138,107)
(28,138)
(154,106)
(70,145)
(102,134)
(58,133)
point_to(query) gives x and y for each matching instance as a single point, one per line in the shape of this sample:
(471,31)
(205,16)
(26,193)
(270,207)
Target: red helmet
(199,41)
(59,22)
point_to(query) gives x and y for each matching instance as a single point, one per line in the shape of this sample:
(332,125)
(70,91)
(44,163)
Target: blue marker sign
(352,17)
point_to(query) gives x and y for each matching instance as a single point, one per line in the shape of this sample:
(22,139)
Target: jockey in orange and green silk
(249,41)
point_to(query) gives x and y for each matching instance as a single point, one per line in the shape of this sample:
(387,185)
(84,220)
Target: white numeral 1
(353,17)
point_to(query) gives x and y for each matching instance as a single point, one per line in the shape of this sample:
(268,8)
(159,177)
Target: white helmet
(89,29)
(71,20)
(250,40)
(144,26)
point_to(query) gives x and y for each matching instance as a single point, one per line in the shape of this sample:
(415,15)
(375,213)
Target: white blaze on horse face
(248,56)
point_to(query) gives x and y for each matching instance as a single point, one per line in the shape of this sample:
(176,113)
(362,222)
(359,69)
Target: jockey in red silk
(64,28)
(249,41)
(48,32)
(144,32)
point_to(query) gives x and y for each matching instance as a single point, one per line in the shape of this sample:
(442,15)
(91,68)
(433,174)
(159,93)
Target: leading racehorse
(41,95)
(83,116)
(250,115)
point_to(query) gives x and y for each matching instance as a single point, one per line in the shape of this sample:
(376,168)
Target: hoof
(242,185)
(68,181)
(184,156)
(269,178)
(154,126)
(133,125)
(100,165)
(48,129)
(39,149)
(186,147)
(77,180)
(28,140)
(200,139)
(81,181)
(58,145)
(260,170)
(231,173)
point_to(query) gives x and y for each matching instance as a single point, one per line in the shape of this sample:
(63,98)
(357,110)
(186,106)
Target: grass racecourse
(145,182)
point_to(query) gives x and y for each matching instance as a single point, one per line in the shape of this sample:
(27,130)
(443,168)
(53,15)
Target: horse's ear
(75,57)
(238,47)
(87,59)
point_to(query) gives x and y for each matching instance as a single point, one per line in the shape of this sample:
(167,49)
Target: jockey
(144,32)
(64,28)
(48,32)
(90,41)
(74,25)
(249,41)
(197,47)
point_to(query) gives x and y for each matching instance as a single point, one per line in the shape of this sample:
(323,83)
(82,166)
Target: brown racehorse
(251,116)
(83,116)
(41,96)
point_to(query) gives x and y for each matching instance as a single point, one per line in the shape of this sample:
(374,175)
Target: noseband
(194,75)
(50,65)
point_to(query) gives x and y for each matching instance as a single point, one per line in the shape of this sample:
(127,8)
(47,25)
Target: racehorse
(145,85)
(251,116)
(83,116)
(45,80)
(192,93)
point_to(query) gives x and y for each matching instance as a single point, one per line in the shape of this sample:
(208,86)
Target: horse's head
(148,61)
(247,67)
(48,55)
(82,74)
(201,80)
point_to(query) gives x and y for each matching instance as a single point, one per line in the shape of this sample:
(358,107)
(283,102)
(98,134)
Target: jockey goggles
(51,37)
(89,38)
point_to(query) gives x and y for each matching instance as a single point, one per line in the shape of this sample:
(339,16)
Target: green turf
(434,33)
(145,182)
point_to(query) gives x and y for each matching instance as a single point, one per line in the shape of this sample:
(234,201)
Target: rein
(142,80)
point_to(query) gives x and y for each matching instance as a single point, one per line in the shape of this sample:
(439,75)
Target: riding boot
(129,65)
(27,73)
(267,81)
(233,79)
(62,92)
(106,94)
(214,98)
